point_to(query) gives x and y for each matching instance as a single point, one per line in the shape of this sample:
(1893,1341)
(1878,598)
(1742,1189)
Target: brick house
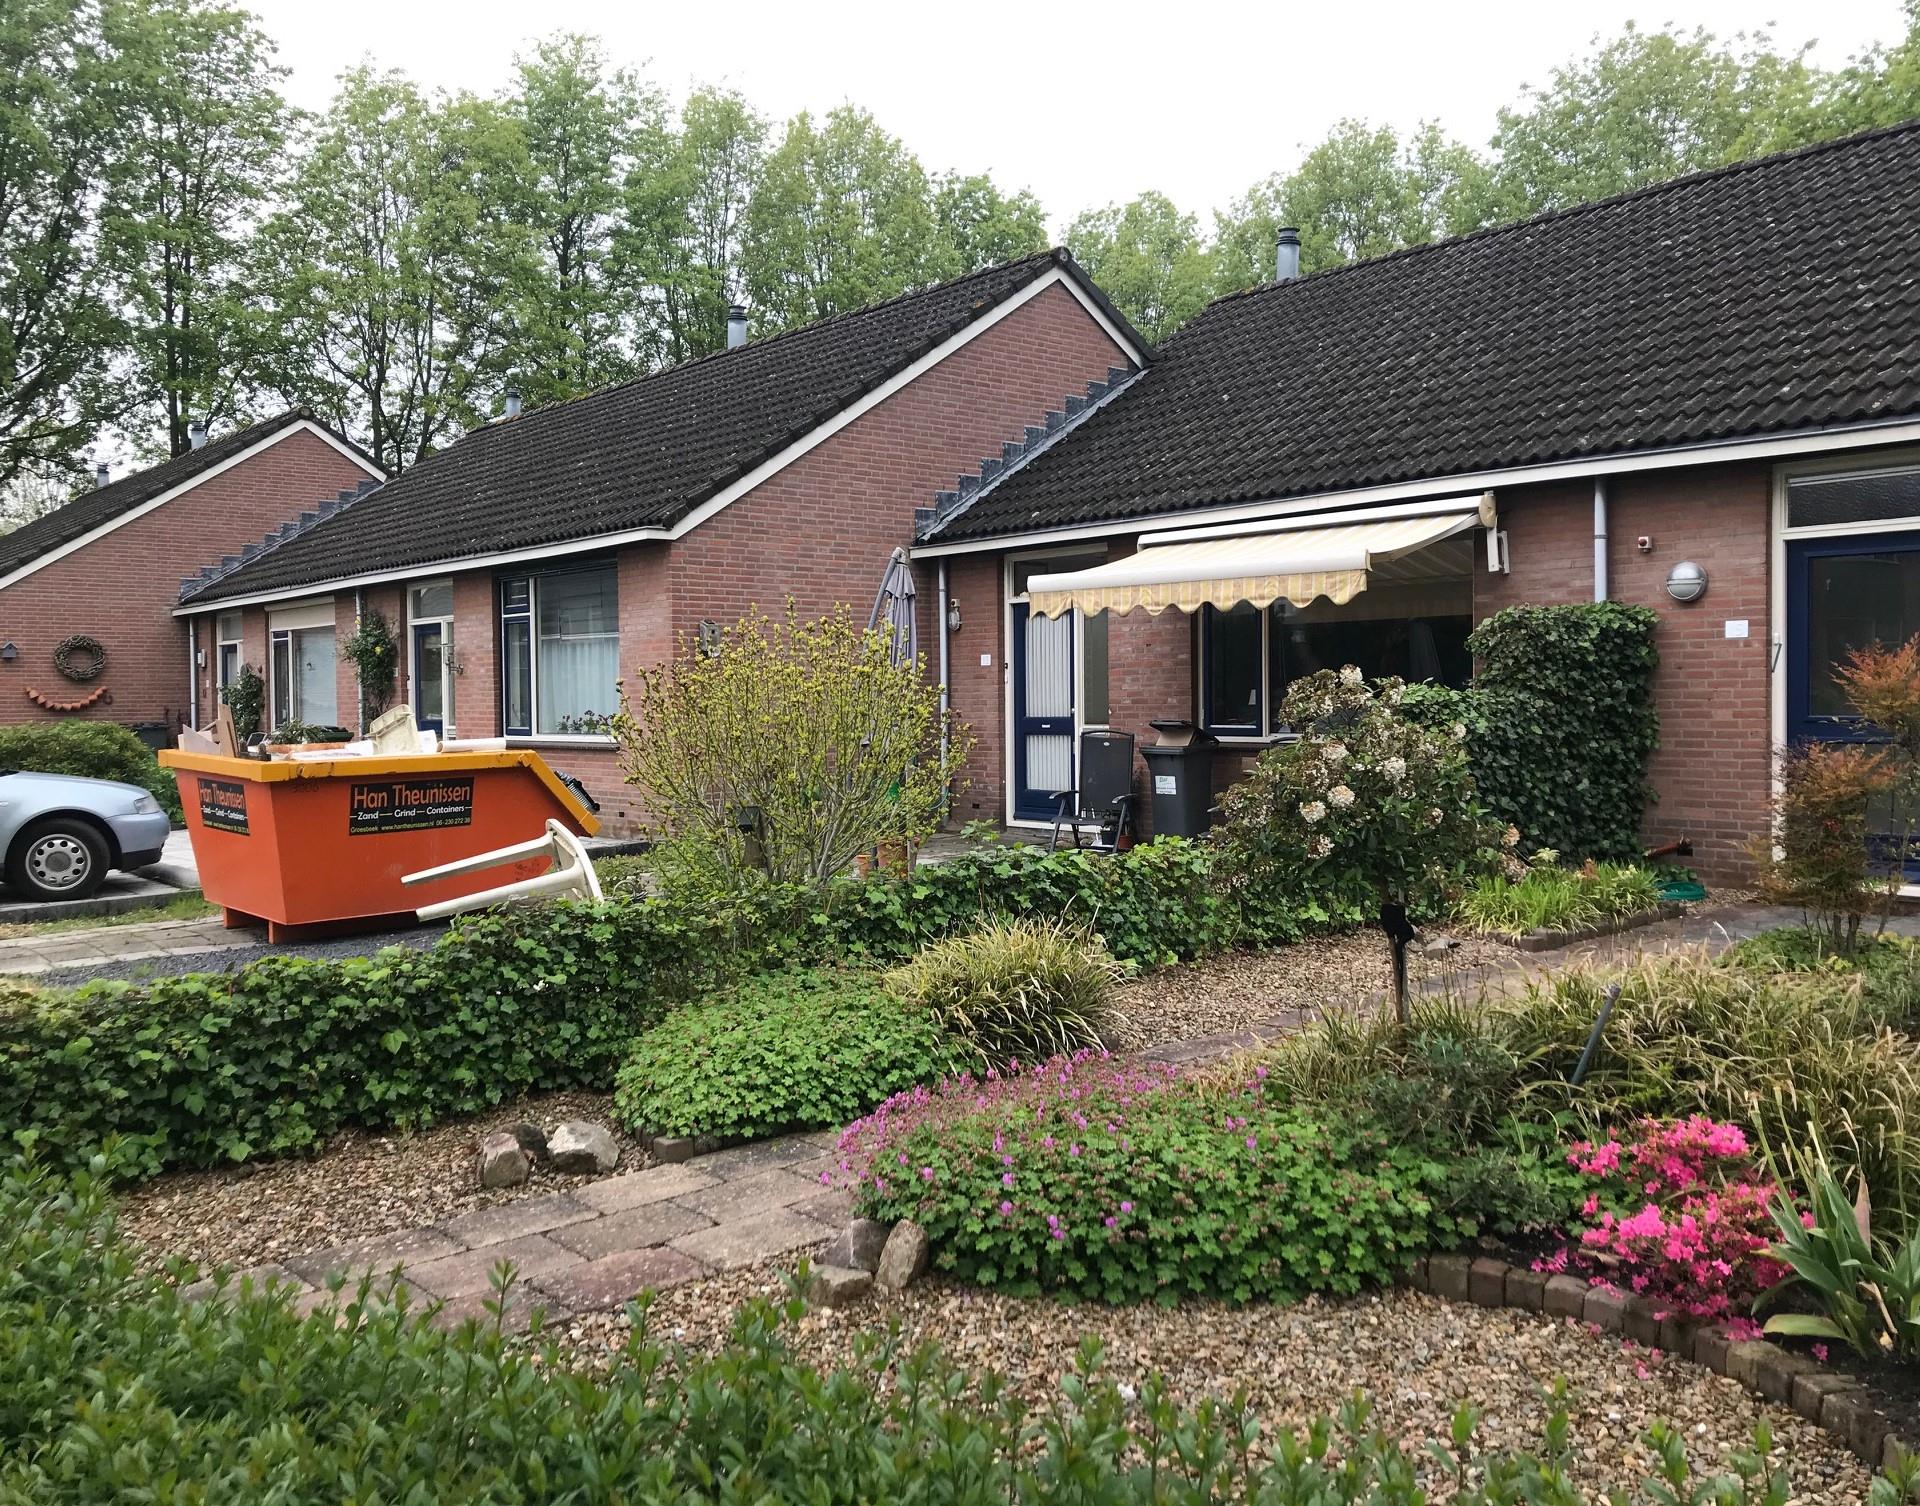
(530,564)
(1720,373)
(106,566)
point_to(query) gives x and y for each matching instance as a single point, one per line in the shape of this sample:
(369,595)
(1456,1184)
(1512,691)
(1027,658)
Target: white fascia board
(1722,452)
(426,568)
(1055,276)
(761,473)
(303,425)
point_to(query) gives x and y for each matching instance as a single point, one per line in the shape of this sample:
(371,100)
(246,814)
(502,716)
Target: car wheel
(62,858)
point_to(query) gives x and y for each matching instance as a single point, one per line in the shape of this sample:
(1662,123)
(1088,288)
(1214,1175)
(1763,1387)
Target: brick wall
(978,690)
(1711,772)
(122,588)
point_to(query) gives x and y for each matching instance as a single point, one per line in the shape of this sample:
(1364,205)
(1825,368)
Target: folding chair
(1105,795)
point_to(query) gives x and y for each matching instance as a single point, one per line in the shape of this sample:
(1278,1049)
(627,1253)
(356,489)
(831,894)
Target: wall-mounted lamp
(1686,581)
(8,652)
(953,615)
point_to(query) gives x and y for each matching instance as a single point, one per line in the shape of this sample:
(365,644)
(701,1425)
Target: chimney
(1286,262)
(100,475)
(513,402)
(736,326)
(196,433)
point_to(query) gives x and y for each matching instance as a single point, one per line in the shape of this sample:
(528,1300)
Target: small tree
(791,747)
(1364,796)
(246,697)
(375,656)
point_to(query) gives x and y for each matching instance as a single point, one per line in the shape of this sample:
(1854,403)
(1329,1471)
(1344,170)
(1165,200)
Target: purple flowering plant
(1122,1180)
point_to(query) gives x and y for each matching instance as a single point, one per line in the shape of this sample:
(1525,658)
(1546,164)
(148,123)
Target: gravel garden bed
(1230,993)
(1415,1356)
(363,1184)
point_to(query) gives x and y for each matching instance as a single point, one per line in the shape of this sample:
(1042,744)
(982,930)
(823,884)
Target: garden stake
(1393,920)
(1593,1037)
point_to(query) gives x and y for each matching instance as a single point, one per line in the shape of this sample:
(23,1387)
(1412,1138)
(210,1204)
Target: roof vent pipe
(1286,262)
(513,402)
(736,326)
(100,475)
(196,433)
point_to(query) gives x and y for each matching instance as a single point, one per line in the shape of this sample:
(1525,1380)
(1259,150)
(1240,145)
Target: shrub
(1679,1215)
(310,732)
(816,734)
(1774,1053)
(202,1069)
(1816,855)
(1561,723)
(1557,899)
(785,1051)
(246,698)
(114,1388)
(1120,1181)
(1019,990)
(93,750)
(1888,966)
(374,654)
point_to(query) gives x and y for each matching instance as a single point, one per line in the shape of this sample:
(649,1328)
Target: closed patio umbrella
(893,607)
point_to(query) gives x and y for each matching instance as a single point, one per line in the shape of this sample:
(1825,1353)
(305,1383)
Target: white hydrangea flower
(1350,675)
(1435,816)
(1340,797)
(1335,753)
(1311,811)
(1319,847)
(1459,732)
(1394,768)
(1511,838)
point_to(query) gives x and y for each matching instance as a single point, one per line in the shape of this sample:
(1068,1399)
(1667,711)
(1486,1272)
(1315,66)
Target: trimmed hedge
(274,1058)
(1560,724)
(93,750)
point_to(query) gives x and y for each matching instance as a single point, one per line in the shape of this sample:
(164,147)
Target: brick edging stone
(1829,1399)
(1551,941)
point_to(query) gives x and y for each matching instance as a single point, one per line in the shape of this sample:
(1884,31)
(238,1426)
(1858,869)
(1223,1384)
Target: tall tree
(206,131)
(393,260)
(1643,108)
(979,226)
(842,217)
(681,237)
(1149,258)
(1359,193)
(578,118)
(59,133)
(1880,88)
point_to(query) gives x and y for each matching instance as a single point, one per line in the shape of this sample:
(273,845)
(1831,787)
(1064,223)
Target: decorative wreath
(90,668)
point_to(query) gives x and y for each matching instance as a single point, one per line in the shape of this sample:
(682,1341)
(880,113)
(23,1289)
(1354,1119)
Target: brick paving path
(594,1248)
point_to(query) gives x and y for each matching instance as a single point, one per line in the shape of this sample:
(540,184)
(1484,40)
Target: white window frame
(533,577)
(283,624)
(221,680)
(447,675)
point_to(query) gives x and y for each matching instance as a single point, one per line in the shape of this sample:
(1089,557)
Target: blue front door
(1843,594)
(1042,712)
(430,677)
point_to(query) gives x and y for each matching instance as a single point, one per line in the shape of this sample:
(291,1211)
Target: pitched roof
(641,455)
(91,509)
(1775,295)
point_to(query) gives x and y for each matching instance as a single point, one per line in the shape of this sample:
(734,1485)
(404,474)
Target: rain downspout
(193,677)
(940,629)
(1599,539)
(359,687)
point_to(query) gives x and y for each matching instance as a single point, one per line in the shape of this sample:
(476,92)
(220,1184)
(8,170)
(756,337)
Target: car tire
(62,857)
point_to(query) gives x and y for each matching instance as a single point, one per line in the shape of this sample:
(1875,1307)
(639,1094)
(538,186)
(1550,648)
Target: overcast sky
(1082,104)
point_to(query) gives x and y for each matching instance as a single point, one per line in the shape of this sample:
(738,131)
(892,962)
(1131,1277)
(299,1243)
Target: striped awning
(1298,565)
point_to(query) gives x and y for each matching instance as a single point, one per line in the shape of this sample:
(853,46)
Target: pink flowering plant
(1678,1213)
(1122,1180)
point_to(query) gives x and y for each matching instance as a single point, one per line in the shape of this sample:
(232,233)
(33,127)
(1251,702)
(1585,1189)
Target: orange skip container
(321,845)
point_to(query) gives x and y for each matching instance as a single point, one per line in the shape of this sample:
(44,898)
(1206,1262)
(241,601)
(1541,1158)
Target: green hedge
(95,750)
(274,1058)
(1560,724)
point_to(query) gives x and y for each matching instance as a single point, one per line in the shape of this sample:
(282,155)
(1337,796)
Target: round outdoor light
(1686,581)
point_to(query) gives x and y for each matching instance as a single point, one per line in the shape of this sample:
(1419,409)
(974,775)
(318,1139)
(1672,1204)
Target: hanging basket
(91,656)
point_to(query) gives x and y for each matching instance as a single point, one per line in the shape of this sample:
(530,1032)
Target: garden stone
(858,1247)
(1776,1373)
(504,1161)
(1811,1388)
(1565,1297)
(904,1257)
(581,1146)
(1710,1348)
(1743,1362)
(533,1139)
(1487,1282)
(1526,1289)
(838,1285)
(1447,1276)
(671,1150)
(1606,1309)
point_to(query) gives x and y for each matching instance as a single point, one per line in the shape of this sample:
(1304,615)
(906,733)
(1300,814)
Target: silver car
(61,833)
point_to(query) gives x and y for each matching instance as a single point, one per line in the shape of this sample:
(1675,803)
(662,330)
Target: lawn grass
(188,906)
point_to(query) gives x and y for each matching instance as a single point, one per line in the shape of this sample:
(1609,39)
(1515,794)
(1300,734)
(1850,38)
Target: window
(432,668)
(1853,497)
(303,681)
(226,653)
(560,642)
(1249,657)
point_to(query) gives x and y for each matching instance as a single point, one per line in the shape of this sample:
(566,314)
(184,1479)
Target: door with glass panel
(1043,720)
(1842,594)
(430,610)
